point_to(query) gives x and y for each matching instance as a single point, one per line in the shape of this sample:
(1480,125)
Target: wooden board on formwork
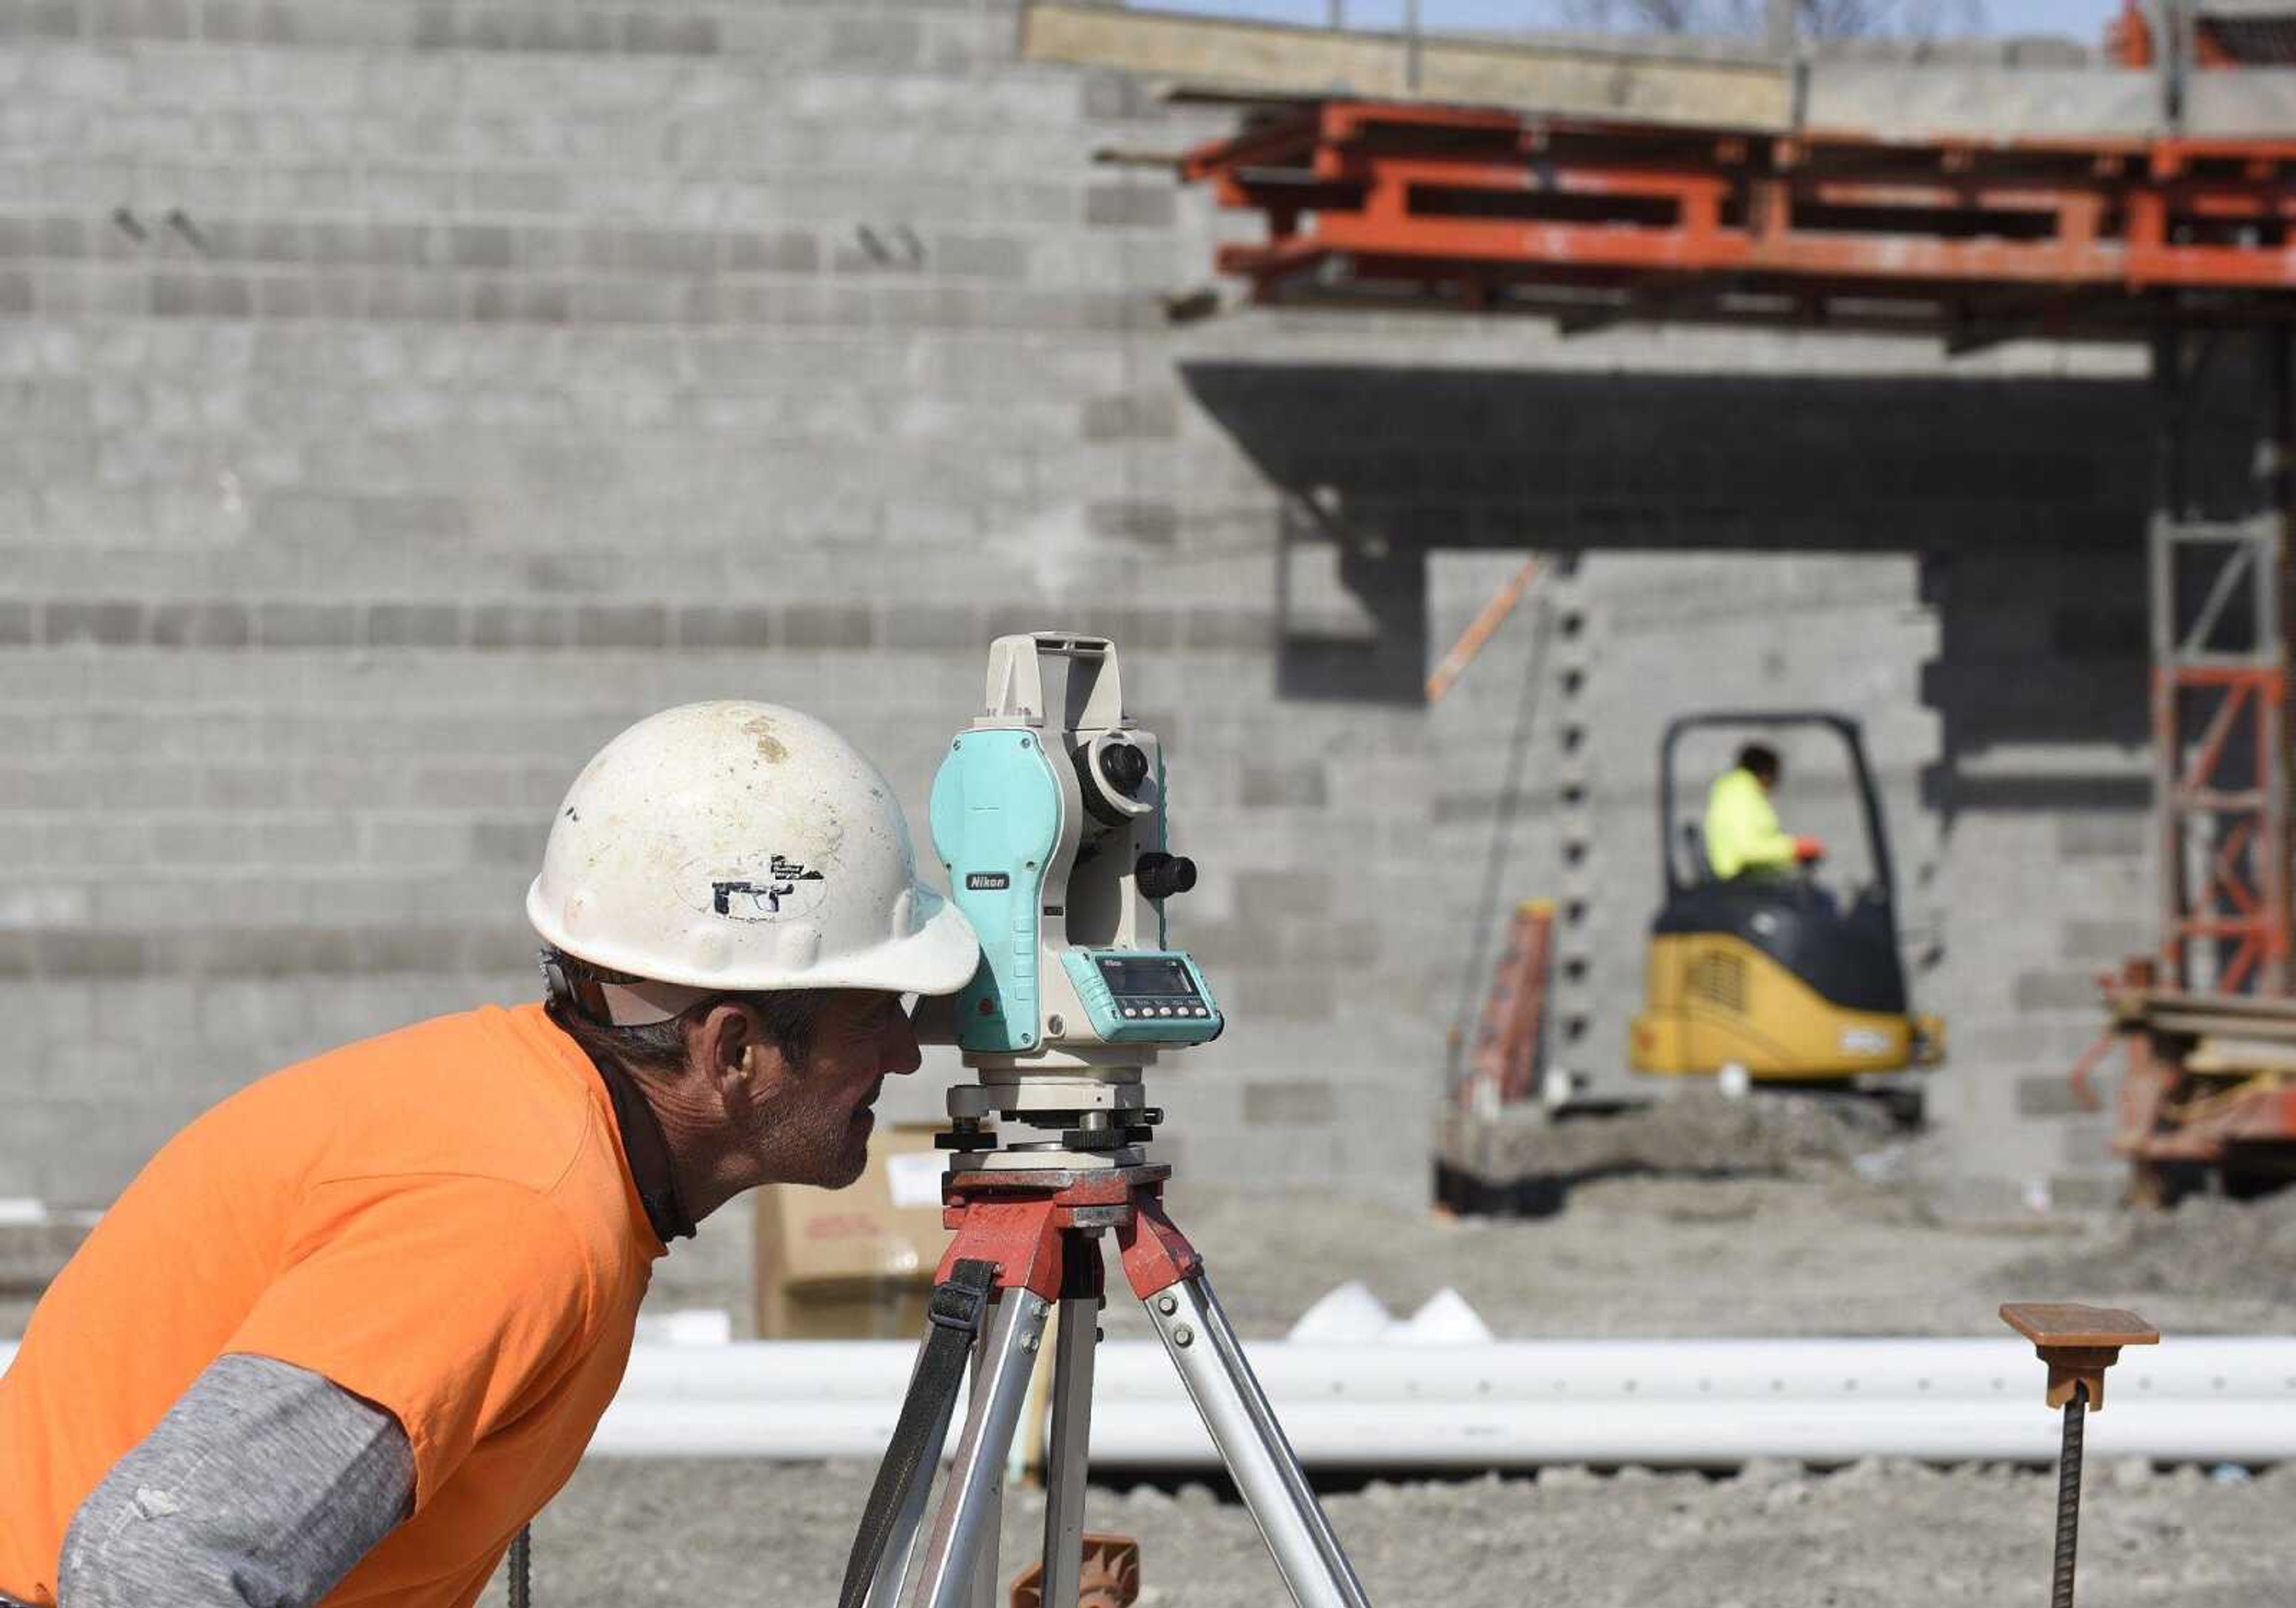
(2223,1056)
(2231,1017)
(1549,79)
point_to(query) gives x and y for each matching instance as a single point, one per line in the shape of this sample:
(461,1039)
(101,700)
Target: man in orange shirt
(351,1329)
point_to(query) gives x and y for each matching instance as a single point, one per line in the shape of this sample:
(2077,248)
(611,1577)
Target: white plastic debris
(1444,1319)
(1347,1315)
(1351,1315)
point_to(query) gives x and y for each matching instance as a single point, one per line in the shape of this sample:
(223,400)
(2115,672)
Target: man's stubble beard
(811,1141)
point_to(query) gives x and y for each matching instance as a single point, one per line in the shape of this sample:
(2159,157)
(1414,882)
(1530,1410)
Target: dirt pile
(2205,1246)
(1696,1131)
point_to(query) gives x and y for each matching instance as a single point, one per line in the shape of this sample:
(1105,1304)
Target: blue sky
(2082,19)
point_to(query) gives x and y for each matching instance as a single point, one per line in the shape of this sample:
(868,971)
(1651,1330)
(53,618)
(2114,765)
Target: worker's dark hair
(1761,759)
(790,1017)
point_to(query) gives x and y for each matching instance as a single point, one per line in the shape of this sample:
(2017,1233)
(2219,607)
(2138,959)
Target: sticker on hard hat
(773,892)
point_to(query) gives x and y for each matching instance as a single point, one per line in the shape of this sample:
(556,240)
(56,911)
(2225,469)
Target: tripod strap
(956,1314)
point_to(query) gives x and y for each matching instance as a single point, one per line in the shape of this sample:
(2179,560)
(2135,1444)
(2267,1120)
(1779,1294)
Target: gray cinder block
(1134,206)
(1297,1104)
(1265,895)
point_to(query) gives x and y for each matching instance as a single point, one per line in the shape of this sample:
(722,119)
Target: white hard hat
(736,847)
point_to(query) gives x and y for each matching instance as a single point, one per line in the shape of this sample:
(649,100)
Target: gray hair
(790,1017)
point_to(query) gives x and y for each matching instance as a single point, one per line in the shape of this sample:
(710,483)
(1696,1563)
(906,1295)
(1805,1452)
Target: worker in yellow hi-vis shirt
(1742,834)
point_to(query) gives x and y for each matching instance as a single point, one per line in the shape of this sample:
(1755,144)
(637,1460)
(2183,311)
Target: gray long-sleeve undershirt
(260,1488)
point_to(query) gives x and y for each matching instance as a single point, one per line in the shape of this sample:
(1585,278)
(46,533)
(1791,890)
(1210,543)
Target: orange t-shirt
(440,1220)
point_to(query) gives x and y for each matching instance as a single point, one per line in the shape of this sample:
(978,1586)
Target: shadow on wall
(2026,499)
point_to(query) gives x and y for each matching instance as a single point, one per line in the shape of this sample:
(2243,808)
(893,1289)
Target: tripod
(1027,1240)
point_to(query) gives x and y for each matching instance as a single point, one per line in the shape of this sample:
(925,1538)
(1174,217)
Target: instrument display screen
(1146,978)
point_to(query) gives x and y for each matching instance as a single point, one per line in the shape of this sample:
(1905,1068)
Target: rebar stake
(2078,1343)
(2069,1484)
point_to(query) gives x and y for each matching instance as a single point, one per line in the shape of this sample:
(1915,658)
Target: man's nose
(902,1056)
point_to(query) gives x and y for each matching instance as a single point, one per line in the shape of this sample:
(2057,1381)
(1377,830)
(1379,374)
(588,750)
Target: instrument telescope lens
(1124,766)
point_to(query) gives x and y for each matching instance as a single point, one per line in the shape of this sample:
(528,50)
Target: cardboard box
(854,1263)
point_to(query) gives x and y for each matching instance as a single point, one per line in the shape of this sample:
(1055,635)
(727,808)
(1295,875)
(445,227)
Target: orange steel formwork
(2256,37)
(1593,221)
(2220,726)
(2207,1085)
(2236,905)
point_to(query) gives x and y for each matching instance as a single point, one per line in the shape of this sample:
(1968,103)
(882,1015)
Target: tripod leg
(878,1564)
(989,1524)
(962,1550)
(1211,1365)
(893,1564)
(1071,1430)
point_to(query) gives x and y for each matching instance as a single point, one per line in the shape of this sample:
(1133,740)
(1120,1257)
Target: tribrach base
(1038,1230)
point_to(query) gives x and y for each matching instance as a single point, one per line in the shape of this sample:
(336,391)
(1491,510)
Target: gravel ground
(1875,1535)
(1826,1230)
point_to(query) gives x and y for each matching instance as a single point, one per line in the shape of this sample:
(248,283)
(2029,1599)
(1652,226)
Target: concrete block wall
(397,400)
(399,403)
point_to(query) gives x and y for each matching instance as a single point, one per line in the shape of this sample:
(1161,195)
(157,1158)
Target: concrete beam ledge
(1218,52)
(1888,100)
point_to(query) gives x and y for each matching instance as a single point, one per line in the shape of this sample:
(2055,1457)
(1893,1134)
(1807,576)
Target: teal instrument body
(996,813)
(1060,968)
(1143,996)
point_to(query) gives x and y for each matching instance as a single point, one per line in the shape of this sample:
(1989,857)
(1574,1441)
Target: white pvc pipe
(1514,1404)
(1522,1403)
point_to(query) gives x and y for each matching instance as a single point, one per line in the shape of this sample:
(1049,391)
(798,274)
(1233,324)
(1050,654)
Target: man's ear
(724,1044)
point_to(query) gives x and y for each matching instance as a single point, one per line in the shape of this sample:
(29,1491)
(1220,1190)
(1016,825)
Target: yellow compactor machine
(1766,976)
